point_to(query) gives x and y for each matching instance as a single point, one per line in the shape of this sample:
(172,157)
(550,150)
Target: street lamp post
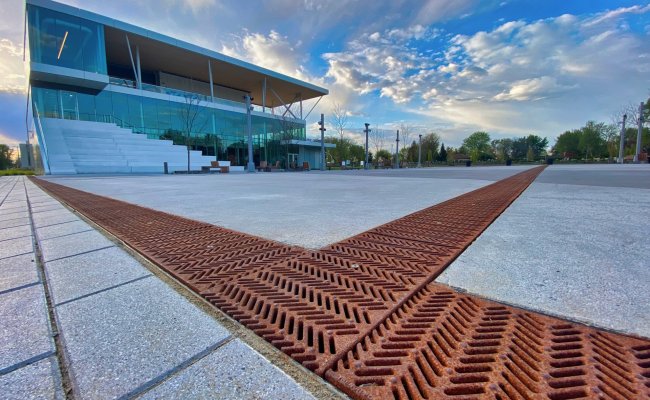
(420,151)
(622,143)
(322,130)
(638,135)
(365,165)
(397,150)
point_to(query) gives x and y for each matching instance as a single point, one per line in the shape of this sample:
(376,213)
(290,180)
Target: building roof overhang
(161,52)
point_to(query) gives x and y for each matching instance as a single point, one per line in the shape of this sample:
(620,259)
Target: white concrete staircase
(84,147)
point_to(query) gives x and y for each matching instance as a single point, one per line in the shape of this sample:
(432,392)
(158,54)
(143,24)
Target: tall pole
(397,150)
(322,141)
(420,152)
(365,165)
(638,135)
(622,145)
(249,128)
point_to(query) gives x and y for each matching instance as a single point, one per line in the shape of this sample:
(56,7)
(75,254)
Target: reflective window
(66,41)
(217,133)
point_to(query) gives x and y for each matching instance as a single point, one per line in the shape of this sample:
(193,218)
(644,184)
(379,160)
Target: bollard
(165,168)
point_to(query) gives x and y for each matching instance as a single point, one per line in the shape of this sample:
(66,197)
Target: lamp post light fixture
(420,151)
(365,165)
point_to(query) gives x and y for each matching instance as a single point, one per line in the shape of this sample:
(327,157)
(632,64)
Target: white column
(211,83)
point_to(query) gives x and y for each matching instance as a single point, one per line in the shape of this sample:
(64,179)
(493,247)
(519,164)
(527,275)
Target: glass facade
(66,41)
(215,132)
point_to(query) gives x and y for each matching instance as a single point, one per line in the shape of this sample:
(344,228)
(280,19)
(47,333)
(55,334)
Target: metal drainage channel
(366,314)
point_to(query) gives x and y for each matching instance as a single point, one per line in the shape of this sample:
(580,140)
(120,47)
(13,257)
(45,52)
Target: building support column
(365,165)
(211,83)
(137,64)
(135,71)
(264,95)
(249,128)
(397,151)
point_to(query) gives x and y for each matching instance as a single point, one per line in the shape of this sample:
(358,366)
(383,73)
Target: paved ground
(575,244)
(122,332)
(306,209)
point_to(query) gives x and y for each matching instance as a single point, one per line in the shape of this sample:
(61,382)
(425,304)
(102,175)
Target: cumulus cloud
(561,70)
(12,75)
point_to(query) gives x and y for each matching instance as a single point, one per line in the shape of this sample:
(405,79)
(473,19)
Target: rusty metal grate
(365,313)
(442,344)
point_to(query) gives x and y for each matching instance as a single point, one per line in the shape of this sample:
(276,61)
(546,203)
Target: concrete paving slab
(46,208)
(81,275)
(14,247)
(14,222)
(63,229)
(489,173)
(8,216)
(234,371)
(17,271)
(13,206)
(15,232)
(612,175)
(305,209)
(575,251)
(25,331)
(70,245)
(120,339)
(41,380)
(53,220)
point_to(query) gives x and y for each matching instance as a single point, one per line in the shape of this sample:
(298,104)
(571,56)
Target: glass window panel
(66,41)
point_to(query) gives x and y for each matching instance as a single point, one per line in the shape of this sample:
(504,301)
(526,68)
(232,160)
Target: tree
(502,149)
(522,145)
(476,144)
(6,159)
(591,139)
(340,122)
(567,144)
(383,155)
(377,138)
(405,133)
(442,156)
(190,116)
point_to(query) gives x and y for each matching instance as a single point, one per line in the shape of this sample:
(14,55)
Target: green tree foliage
(6,160)
(384,156)
(477,144)
(521,146)
(502,149)
(595,139)
(567,144)
(442,156)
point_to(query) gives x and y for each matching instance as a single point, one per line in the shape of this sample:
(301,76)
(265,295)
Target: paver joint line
(366,314)
(103,290)
(27,362)
(145,387)
(19,288)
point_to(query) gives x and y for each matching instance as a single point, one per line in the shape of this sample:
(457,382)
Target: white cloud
(12,75)
(531,89)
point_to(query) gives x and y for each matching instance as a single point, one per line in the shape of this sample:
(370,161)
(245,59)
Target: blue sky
(509,67)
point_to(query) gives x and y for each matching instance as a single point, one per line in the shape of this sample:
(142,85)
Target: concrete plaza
(573,245)
(87,316)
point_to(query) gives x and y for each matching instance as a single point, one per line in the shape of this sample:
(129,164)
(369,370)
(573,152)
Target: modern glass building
(93,79)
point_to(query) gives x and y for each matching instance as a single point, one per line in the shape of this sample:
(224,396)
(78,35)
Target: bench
(220,166)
